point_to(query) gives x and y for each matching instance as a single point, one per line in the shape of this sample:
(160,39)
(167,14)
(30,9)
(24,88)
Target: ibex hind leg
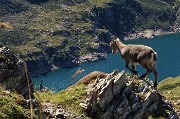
(153,68)
(145,74)
(148,71)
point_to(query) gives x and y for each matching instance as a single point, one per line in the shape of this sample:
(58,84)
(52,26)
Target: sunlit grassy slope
(170,88)
(71,97)
(11,105)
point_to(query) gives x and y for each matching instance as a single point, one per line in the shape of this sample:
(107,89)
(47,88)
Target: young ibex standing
(137,54)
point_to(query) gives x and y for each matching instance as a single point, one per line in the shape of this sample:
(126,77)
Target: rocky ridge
(127,99)
(119,96)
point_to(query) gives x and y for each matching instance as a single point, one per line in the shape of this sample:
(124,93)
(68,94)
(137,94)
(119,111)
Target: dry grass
(5,25)
(92,76)
(29,90)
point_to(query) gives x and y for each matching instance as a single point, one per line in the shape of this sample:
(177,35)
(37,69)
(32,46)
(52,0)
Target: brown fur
(91,77)
(137,54)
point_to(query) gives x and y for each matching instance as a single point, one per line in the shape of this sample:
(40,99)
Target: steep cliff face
(37,63)
(59,56)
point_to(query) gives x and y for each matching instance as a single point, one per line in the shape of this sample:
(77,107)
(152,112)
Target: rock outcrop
(116,96)
(15,77)
(58,112)
(119,96)
(92,57)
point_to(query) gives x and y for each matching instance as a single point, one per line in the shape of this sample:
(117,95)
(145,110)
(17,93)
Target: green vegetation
(11,105)
(69,98)
(74,95)
(100,3)
(59,30)
(150,117)
(158,14)
(170,88)
(76,25)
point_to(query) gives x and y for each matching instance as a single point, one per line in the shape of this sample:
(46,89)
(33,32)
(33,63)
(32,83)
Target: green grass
(100,3)
(11,105)
(150,117)
(27,50)
(44,20)
(69,98)
(153,4)
(170,88)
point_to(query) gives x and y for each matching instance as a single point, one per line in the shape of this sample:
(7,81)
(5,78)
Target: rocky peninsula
(150,33)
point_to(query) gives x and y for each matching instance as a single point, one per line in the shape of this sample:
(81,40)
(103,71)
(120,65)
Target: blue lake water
(168,65)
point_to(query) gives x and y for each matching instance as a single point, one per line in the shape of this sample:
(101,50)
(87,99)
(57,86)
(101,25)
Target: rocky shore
(92,57)
(150,33)
(43,67)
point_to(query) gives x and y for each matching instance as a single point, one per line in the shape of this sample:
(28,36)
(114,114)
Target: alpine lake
(168,64)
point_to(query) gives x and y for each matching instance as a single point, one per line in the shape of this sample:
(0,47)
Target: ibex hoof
(141,77)
(155,85)
(136,73)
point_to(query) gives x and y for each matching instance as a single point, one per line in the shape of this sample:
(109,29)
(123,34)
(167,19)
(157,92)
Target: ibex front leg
(133,68)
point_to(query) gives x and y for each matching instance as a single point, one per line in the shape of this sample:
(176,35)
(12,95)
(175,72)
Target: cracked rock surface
(119,96)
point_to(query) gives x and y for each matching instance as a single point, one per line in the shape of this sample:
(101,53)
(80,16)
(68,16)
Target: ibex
(137,54)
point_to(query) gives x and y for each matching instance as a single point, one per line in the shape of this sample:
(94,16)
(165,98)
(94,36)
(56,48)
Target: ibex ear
(117,39)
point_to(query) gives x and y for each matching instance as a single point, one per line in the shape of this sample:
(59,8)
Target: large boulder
(119,96)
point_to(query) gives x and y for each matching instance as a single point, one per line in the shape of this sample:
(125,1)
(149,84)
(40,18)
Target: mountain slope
(52,31)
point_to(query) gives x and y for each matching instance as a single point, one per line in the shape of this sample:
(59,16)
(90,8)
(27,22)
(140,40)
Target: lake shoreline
(150,33)
(94,57)
(61,78)
(91,57)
